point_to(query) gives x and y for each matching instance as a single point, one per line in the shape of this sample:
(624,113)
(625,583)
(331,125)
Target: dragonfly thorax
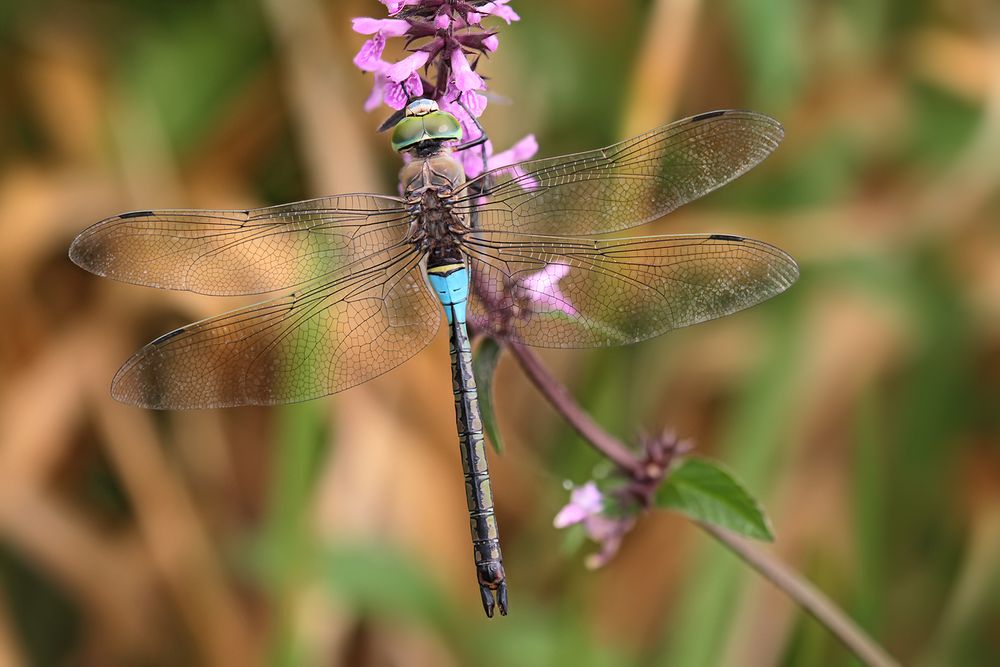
(428,184)
(439,172)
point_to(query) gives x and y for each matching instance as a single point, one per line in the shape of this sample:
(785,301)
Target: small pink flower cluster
(607,517)
(588,506)
(449,40)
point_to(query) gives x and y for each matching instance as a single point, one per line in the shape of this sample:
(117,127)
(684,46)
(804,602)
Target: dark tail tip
(488,602)
(494,598)
(502,598)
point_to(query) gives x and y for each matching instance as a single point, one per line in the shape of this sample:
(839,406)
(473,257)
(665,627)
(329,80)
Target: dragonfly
(521,253)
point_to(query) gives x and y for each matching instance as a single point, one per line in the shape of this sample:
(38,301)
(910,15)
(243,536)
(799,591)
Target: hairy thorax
(428,185)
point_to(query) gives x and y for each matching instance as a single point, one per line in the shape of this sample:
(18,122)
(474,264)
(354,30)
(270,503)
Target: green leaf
(483,364)
(703,490)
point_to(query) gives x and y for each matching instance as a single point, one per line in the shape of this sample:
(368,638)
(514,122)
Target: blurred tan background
(863,406)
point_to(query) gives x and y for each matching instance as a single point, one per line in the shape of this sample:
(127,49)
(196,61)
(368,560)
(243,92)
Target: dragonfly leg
(479,141)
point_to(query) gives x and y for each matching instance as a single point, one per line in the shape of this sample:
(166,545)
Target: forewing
(626,184)
(240,252)
(319,340)
(566,292)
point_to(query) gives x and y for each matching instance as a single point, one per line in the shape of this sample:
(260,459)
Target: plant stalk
(807,596)
(575,416)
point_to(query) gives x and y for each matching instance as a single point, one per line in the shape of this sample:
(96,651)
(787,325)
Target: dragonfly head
(424,122)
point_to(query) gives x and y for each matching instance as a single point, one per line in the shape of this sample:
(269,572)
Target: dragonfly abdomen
(451,284)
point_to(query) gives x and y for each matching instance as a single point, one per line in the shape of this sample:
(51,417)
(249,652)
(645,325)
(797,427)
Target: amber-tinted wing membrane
(240,252)
(323,338)
(565,292)
(626,184)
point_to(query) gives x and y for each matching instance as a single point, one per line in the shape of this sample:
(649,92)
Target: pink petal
(601,528)
(369,58)
(609,533)
(584,502)
(375,98)
(547,277)
(472,158)
(442,21)
(465,78)
(519,152)
(507,14)
(491,43)
(500,10)
(413,85)
(522,150)
(449,103)
(395,96)
(370,26)
(542,288)
(569,515)
(474,102)
(400,71)
(587,496)
(395,5)
(609,548)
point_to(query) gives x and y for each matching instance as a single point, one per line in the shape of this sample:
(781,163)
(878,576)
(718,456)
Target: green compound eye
(407,133)
(442,125)
(436,125)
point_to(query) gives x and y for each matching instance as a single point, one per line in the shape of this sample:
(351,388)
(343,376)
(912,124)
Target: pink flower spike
(465,78)
(407,66)
(369,58)
(542,289)
(491,43)
(388,27)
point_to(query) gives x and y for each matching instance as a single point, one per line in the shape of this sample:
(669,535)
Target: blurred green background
(863,406)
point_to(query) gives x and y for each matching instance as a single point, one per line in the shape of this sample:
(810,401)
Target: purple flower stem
(787,580)
(575,416)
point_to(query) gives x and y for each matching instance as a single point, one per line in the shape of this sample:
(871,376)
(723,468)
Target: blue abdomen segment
(451,284)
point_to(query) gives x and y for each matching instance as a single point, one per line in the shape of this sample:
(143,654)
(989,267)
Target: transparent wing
(565,292)
(623,185)
(326,337)
(240,252)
